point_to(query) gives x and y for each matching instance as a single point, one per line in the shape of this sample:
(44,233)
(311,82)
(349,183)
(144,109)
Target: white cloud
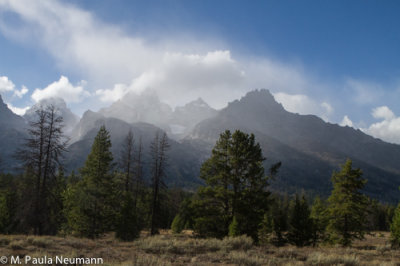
(181,77)
(17,110)
(383,112)
(79,42)
(6,84)
(388,129)
(302,104)
(20,93)
(63,89)
(346,121)
(114,94)
(115,62)
(106,55)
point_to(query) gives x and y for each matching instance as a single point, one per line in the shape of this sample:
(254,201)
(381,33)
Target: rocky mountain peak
(261,97)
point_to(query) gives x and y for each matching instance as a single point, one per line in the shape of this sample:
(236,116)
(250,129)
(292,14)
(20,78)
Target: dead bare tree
(158,150)
(41,155)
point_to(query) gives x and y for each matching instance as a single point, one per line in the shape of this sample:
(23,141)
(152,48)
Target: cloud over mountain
(388,129)
(114,61)
(62,89)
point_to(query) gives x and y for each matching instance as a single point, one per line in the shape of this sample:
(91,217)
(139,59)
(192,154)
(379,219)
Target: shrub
(16,244)
(243,258)
(178,224)
(395,228)
(235,243)
(234,227)
(321,259)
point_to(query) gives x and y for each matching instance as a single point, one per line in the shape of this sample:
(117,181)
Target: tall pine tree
(235,187)
(319,220)
(347,206)
(91,203)
(300,223)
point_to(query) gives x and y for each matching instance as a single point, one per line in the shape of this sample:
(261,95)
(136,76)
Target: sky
(339,60)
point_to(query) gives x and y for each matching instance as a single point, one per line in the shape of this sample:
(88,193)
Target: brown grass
(184,249)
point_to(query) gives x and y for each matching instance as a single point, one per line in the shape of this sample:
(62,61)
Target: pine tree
(395,228)
(234,227)
(128,227)
(127,160)
(347,206)
(265,232)
(235,187)
(319,219)
(300,223)
(178,224)
(213,202)
(90,203)
(279,212)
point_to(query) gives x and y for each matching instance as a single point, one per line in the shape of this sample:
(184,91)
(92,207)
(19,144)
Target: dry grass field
(168,249)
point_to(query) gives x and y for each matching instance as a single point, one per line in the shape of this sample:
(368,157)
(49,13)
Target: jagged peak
(260,97)
(198,102)
(263,94)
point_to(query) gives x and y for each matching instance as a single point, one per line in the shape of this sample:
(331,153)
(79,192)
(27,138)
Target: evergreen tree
(300,223)
(91,203)
(128,227)
(126,161)
(8,203)
(265,232)
(235,187)
(319,219)
(178,224)
(347,206)
(395,228)
(234,227)
(213,202)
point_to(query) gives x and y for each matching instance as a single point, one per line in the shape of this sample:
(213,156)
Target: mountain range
(309,148)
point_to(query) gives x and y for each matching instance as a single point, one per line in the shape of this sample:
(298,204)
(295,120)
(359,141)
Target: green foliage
(319,219)
(395,228)
(235,187)
(8,203)
(208,220)
(4,214)
(347,206)
(279,213)
(234,227)
(90,203)
(187,212)
(266,230)
(127,228)
(379,215)
(178,224)
(300,223)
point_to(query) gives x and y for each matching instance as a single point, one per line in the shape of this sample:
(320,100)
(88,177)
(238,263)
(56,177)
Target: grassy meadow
(184,249)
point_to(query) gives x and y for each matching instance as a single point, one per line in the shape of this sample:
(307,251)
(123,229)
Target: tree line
(110,194)
(235,200)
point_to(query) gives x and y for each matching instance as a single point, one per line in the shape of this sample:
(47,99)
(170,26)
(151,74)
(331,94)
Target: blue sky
(336,59)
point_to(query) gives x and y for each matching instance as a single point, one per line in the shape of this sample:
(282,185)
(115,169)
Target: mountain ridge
(309,148)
